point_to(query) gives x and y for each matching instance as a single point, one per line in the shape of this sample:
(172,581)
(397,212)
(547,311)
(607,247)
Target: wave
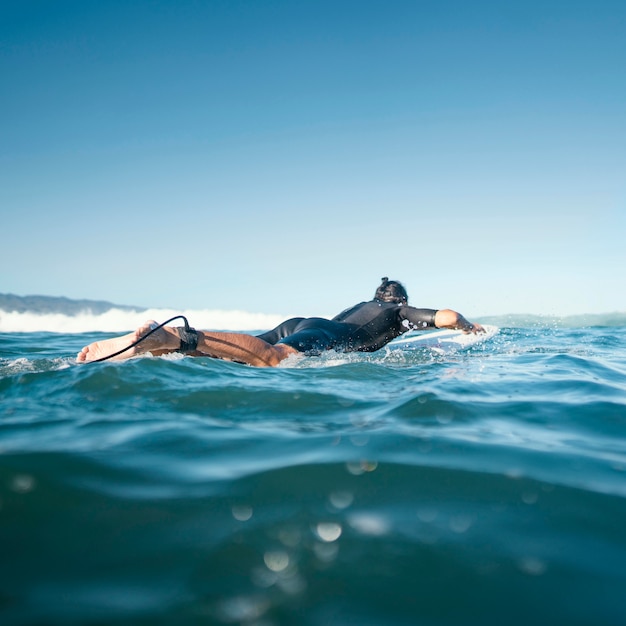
(64,315)
(123,320)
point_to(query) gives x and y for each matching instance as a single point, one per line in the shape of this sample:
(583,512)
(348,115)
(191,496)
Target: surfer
(365,327)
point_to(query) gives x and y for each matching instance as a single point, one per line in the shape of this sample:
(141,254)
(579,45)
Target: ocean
(482,486)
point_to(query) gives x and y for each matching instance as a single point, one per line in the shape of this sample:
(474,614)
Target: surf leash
(188,329)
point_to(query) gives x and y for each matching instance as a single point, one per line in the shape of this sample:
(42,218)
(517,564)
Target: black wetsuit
(365,327)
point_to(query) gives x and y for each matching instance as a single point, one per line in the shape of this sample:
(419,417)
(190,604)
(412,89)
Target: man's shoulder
(350,310)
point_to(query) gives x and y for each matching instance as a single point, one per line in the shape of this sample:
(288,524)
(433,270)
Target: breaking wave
(123,320)
(63,315)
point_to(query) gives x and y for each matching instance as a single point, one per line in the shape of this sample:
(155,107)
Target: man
(365,327)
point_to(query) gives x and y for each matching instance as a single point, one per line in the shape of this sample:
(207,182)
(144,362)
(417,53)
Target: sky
(281,156)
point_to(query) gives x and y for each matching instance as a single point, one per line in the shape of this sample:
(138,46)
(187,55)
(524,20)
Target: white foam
(119,320)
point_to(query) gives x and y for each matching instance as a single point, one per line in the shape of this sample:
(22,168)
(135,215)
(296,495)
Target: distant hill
(10,303)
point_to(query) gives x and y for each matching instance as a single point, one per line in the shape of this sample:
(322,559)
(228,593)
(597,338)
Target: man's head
(391,291)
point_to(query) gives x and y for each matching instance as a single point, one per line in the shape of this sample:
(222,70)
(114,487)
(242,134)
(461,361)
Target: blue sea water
(485,486)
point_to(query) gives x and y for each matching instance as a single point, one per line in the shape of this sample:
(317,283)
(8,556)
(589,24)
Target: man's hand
(447,318)
(474,329)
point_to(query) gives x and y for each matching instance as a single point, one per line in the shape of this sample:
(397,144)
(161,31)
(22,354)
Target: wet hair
(391,291)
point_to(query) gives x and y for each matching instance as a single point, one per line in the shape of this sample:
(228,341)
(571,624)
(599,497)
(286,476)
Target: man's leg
(230,346)
(242,348)
(281,331)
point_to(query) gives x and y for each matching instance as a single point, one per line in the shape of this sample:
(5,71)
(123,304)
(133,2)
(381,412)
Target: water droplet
(341,499)
(328,531)
(242,513)
(276,561)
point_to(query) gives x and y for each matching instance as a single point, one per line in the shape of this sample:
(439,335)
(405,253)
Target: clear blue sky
(282,156)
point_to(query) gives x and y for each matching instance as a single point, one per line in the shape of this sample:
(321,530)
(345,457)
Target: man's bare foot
(163,339)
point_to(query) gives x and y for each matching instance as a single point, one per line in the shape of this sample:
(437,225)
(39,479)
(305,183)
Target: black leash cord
(135,343)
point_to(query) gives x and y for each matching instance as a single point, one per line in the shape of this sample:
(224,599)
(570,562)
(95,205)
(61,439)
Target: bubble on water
(341,499)
(242,512)
(328,531)
(276,561)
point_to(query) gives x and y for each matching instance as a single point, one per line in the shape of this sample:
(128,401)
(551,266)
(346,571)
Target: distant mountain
(49,304)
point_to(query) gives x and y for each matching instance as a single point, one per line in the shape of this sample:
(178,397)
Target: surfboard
(442,341)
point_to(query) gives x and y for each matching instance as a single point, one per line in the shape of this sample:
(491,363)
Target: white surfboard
(442,341)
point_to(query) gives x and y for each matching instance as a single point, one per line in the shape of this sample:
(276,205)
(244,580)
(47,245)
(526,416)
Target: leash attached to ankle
(188,338)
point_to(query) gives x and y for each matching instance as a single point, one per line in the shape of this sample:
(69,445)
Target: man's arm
(447,318)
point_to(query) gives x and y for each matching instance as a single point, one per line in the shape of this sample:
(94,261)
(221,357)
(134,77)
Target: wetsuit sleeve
(418,319)
(281,331)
